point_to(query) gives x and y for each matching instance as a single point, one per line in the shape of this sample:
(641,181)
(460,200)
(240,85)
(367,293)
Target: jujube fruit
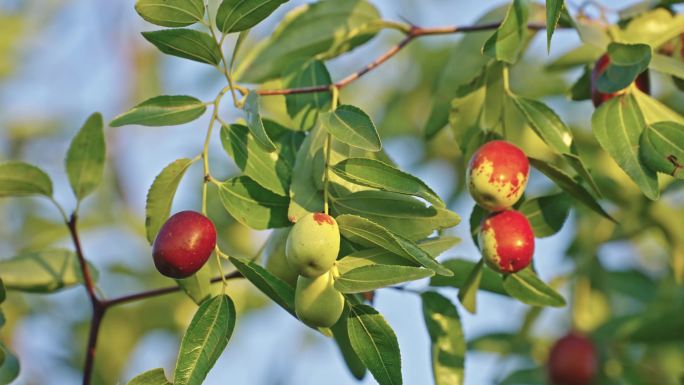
(506,241)
(183,244)
(597,97)
(276,263)
(313,244)
(572,361)
(317,303)
(497,175)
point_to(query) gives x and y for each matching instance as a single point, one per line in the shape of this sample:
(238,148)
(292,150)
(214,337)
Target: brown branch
(157,292)
(412,34)
(85,270)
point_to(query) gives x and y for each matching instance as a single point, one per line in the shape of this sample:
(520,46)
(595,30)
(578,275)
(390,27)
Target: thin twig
(165,290)
(412,34)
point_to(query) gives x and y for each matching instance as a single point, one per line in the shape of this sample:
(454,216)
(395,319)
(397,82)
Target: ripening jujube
(506,241)
(184,244)
(313,244)
(572,361)
(497,175)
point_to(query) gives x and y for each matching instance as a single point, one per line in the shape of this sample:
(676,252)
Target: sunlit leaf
(367,278)
(171,13)
(275,288)
(507,42)
(546,214)
(255,123)
(86,157)
(446,335)
(252,204)
(204,340)
(150,377)
(662,148)
(352,126)
(528,288)
(553,13)
(165,110)
(21,179)
(160,196)
(239,15)
(305,108)
(375,343)
(186,43)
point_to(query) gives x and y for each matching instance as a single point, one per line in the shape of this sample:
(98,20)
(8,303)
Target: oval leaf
(467,294)
(305,197)
(275,288)
(352,126)
(171,13)
(617,125)
(368,233)
(446,335)
(320,30)
(662,148)
(253,205)
(21,179)
(160,196)
(490,280)
(546,123)
(86,157)
(204,340)
(239,15)
(627,61)
(162,110)
(528,288)
(43,271)
(367,278)
(507,42)
(570,186)
(375,343)
(304,108)
(150,377)
(341,335)
(546,214)
(9,370)
(377,174)
(186,43)
(553,13)
(254,122)
(401,214)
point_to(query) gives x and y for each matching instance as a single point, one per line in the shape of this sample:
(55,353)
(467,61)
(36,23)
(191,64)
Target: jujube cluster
(311,250)
(184,244)
(496,177)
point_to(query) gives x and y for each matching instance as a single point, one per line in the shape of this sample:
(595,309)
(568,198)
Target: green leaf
(352,126)
(253,205)
(553,13)
(368,278)
(627,61)
(467,294)
(653,110)
(377,174)
(576,163)
(546,214)
(654,28)
(150,377)
(341,335)
(581,89)
(239,15)
(304,108)
(3,294)
(165,110)
(667,65)
(275,288)
(401,214)
(160,196)
(186,43)
(545,123)
(375,343)
(254,122)
(171,13)
(508,40)
(305,197)
(242,36)
(42,271)
(86,157)
(653,327)
(320,30)
(475,220)
(204,340)
(493,105)
(618,124)
(9,370)
(570,186)
(593,33)
(528,288)
(20,179)
(490,280)
(446,335)
(531,376)
(269,169)
(379,256)
(368,233)
(661,148)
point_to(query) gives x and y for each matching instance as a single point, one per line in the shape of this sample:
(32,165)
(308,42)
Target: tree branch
(412,34)
(157,292)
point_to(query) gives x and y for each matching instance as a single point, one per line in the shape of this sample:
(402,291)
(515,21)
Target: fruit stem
(205,149)
(224,282)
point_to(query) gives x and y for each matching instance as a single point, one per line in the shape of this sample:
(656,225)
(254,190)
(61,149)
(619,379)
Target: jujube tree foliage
(345,220)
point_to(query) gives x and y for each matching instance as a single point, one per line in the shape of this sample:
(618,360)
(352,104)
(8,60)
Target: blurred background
(61,60)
